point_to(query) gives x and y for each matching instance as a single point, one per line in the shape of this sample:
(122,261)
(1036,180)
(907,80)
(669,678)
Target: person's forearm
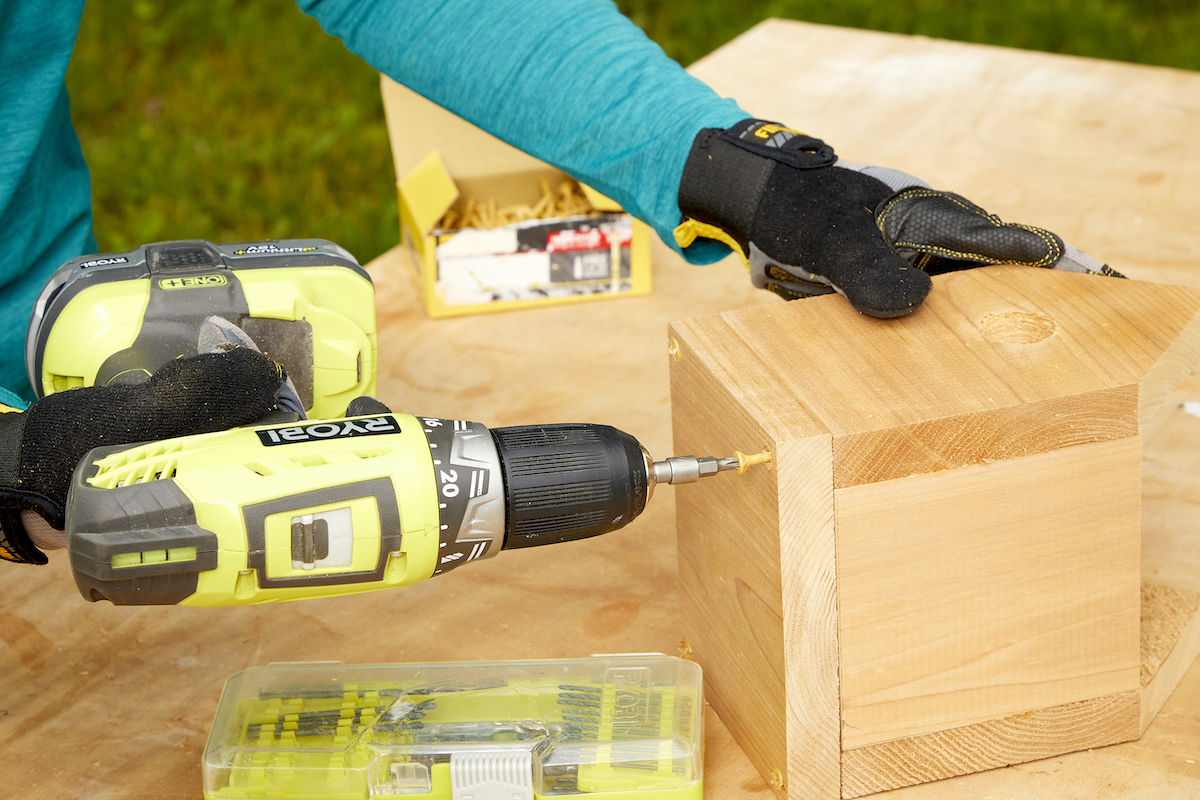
(572,82)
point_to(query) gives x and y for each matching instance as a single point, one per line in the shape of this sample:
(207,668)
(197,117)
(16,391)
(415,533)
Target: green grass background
(241,119)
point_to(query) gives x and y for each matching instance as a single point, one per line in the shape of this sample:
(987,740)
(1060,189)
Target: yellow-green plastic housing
(102,319)
(340,307)
(241,489)
(604,728)
(338,304)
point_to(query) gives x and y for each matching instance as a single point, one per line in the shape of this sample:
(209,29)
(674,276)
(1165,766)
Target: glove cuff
(727,172)
(15,544)
(722,185)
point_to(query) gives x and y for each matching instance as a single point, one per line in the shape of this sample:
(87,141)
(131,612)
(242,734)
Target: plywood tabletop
(100,702)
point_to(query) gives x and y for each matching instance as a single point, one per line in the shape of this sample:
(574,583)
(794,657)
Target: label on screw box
(538,259)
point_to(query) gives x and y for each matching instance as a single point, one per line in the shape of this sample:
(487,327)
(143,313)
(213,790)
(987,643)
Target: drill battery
(117,317)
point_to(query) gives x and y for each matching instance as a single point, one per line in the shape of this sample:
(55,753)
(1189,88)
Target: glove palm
(40,447)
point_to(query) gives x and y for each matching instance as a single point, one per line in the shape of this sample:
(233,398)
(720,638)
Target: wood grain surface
(732,611)
(100,702)
(759,607)
(999,742)
(983,605)
(975,594)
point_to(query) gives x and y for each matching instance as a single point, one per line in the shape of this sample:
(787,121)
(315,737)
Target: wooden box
(940,571)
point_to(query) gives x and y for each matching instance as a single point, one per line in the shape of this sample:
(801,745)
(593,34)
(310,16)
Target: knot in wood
(1017,327)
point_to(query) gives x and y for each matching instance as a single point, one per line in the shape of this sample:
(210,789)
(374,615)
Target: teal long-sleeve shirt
(572,82)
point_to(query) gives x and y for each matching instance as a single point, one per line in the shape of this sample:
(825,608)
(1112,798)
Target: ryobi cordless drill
(302,507)
(328,507)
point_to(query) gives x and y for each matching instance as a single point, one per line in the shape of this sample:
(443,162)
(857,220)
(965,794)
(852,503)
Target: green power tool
(355,498)
(329,507)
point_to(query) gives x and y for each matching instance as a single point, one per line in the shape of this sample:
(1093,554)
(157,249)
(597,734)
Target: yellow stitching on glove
(786,294)
(1050,259)
(690,229)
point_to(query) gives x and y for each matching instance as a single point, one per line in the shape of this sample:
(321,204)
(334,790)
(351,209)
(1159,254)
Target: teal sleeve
(45,194)
(11,400)
(572,82)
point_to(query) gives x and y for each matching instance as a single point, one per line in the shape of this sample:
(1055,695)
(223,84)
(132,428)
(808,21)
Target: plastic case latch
(491,775)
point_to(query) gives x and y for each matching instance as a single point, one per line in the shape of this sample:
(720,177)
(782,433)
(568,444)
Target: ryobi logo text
(332,429)
(192,281)
(103,262)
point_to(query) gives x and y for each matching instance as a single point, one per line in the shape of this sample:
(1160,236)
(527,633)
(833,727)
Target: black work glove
(40,447)
(808,223)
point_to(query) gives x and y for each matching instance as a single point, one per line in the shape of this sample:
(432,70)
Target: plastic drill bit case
(627,727)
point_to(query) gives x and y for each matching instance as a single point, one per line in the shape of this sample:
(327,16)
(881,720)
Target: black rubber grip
(186,254)
(566,482)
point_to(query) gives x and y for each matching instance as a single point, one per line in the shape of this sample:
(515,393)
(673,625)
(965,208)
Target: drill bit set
(597,727)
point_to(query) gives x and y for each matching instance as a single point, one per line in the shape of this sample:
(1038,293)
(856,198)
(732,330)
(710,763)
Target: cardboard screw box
(443,163)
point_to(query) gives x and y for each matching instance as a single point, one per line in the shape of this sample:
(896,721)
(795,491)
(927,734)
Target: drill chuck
(567,482)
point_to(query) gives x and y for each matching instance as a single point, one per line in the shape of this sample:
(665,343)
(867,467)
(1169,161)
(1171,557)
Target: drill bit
(689,469)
